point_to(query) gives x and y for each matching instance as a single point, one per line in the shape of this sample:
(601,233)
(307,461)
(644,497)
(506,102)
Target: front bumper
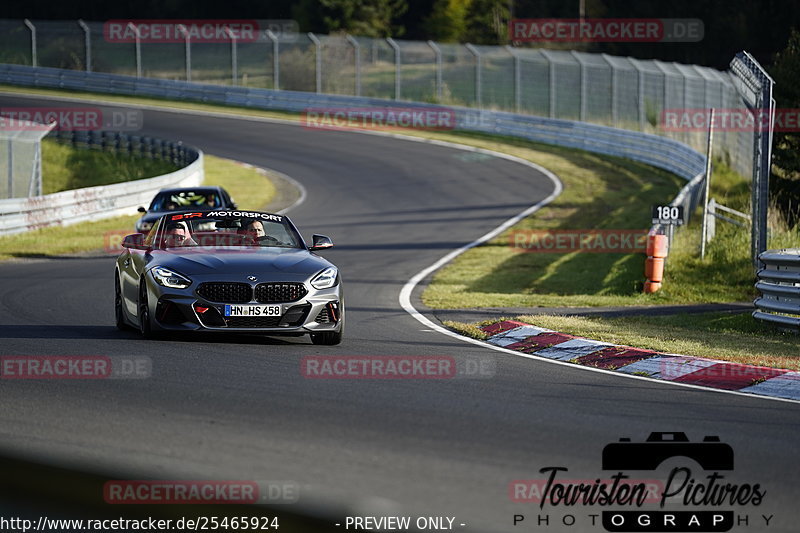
(185,310)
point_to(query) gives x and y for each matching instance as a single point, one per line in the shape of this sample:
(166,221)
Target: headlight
(168,278)
(144,226)
(325,279)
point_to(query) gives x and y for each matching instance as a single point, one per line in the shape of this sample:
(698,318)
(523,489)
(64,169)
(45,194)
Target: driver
(177,234)
(255,230)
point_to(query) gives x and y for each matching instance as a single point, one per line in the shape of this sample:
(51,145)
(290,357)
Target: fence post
(583,86)
(357,61)
(276,67)
(32,28)
(87,43)
(10,168)
(234,57)
(396,49)
(642,107)
(317,61)
(478,70)
(438,53)
(711,223)
(614,91)
(138,47)
(188,50)
(551,71)
(707,184)
(759,98)
(517,79)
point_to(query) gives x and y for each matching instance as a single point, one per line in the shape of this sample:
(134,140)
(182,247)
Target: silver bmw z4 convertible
(228,271)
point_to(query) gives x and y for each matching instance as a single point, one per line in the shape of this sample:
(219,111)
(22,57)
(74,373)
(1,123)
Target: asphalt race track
(239,408)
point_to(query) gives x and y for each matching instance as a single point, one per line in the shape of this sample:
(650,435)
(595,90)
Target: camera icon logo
(711,454)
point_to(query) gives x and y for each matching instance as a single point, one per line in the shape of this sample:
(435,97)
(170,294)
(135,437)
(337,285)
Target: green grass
(65,168)
(599,193)
(251,190)
(726,336)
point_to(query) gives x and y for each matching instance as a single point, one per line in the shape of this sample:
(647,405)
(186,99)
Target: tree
(786,73)
(487,22)
(447,21)
(785,179)
(368,18)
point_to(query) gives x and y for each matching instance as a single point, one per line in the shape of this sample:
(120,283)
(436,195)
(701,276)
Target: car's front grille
(253,321)
(268,293)
(226,292)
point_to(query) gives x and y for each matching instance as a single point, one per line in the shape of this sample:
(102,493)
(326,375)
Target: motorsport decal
(706,501)
(245,214)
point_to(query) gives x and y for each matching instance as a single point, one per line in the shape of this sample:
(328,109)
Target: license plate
(252,310)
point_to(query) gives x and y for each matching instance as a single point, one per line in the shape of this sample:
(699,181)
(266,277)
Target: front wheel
(145,327)
(119,314)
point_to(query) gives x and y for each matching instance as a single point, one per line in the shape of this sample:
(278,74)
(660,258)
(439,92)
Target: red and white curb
(529,339)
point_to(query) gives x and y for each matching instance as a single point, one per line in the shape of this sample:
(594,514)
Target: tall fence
(600,89)
(18,215)
(21,158)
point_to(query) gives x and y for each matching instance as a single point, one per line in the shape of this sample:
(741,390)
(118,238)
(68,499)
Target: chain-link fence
(21,159)
(614,91)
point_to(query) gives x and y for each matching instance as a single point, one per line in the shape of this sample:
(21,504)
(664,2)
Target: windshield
(223,229)
(186,199)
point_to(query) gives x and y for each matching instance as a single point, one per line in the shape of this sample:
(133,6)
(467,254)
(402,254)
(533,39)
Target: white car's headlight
(144,226)
(325,279)
(168,278)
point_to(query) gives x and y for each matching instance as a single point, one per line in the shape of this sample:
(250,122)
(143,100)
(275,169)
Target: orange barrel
(657,245)
(654,269)
(651,286)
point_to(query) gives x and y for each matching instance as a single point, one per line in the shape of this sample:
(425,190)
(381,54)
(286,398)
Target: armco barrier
(779,285)
(69,207)
(660,152)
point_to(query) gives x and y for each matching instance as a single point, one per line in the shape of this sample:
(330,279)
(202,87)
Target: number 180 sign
(668,214)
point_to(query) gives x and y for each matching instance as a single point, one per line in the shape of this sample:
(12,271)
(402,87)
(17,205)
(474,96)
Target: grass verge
(65,168)
(251,189)
(733,337)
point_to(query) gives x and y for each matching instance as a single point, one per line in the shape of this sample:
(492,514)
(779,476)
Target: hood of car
(234,264)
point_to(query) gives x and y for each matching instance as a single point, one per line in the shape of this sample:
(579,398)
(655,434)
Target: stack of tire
(657,248)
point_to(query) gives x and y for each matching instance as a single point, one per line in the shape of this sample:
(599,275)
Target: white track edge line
(405,293)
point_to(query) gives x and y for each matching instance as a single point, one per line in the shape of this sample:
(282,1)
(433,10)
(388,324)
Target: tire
(145,324)
(119,314)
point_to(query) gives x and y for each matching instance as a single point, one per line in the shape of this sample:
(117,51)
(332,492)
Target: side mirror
(135,241)
(141,209)
(233,204)
(320,242)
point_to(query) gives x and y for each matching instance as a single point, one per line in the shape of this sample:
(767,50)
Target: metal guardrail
(660,152)
(779,285)
(18,215)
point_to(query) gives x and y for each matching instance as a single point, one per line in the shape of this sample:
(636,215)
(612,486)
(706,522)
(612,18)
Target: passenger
(177,234)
